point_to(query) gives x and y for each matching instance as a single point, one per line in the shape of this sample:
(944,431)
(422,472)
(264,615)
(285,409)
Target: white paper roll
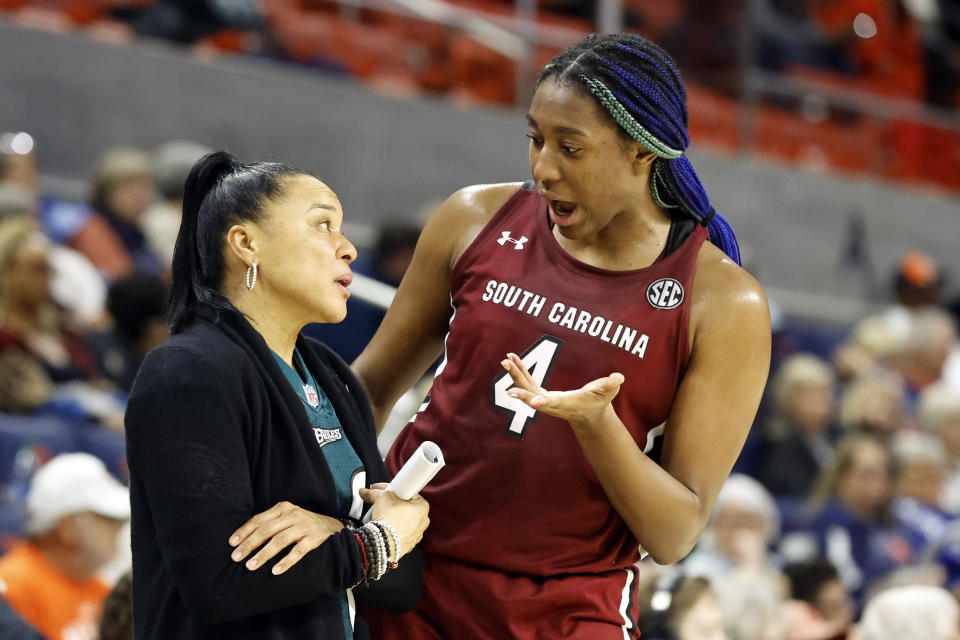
(425,462)
(420,469)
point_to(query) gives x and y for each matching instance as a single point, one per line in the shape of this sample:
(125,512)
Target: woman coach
(237,419)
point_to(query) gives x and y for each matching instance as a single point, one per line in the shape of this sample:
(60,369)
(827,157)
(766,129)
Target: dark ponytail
(219,192)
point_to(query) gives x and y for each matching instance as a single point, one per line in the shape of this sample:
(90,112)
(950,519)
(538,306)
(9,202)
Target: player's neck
(632,239)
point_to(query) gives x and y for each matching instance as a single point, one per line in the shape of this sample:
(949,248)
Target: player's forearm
(665,516)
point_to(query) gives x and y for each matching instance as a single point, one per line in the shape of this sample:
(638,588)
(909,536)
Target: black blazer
(215,434)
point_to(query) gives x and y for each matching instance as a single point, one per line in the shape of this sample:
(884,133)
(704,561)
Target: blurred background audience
(75,511)
(911,613)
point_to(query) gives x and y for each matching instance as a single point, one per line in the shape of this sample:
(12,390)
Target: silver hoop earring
(252,276)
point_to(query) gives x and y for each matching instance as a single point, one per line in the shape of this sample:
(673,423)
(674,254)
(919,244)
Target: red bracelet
(363,556)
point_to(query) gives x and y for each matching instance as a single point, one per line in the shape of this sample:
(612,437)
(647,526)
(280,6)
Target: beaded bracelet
(396,541)
(372,552)
(381,547)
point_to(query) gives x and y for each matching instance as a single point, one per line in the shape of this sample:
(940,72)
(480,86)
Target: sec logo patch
(665,293)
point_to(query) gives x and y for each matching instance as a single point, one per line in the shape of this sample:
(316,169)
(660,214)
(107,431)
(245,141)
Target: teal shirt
(339,454)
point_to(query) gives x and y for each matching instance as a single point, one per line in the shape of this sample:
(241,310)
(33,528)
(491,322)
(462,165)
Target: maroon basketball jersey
(517,493)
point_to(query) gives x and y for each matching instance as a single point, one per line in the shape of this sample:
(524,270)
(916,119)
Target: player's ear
(642,159)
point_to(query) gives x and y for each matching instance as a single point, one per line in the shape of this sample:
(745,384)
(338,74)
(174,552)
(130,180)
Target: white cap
(73,483)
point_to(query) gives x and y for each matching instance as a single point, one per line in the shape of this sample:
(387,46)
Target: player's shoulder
(480,200)
(461,217)
(721,286)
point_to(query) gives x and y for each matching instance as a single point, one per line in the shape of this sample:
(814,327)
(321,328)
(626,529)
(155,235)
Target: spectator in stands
(27,315)
(752,610)
(15,201)
(675,607)
(800,433)
(847,520)
(121,192)
(743,525)
(873,404)
(939,414)
(68,223)
(920,469)
(32,344)
(911,613)
(75,510)
(37,342)
(116,620)
(76,285)
(137,305)
(917,281)
(172,162)
(819,607)
(875,342)
(932,338)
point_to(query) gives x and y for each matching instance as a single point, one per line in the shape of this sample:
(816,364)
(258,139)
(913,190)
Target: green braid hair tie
(626,121)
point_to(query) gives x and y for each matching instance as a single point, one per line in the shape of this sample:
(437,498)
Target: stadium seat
(28,442)
(713,119)
(226,40)
(304,37)
(109,446)
(924,154)
(12,519)
(656,18)
(481,74)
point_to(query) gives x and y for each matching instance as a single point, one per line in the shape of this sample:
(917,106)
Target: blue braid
(677,93)
(641,87)
(666,131)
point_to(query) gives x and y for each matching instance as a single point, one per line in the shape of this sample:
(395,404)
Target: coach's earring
(252,276)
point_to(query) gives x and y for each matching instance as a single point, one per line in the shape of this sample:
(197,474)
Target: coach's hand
(408,517)
(282,525)
(583,406)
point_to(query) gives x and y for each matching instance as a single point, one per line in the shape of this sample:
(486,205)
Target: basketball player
(596,278)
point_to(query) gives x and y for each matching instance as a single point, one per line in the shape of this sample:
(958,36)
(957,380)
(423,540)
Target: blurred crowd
(83,285)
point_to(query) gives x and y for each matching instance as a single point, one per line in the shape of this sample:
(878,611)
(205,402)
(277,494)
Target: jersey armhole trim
(505,210)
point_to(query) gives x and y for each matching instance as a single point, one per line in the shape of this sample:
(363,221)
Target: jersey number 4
(538,359)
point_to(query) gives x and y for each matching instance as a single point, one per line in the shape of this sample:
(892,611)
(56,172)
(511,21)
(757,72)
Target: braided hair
(637,83)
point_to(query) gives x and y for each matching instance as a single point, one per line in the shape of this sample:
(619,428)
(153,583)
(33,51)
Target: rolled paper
(419,469)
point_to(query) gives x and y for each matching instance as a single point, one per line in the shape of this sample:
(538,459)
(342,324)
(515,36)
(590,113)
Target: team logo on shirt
(505,238)
(312,398)
(665,293)
(326,436)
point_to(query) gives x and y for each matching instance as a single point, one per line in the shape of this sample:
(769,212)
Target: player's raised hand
(585,405)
